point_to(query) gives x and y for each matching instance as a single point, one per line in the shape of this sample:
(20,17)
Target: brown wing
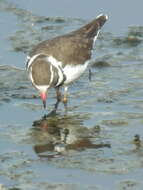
(75,47)
(67,49)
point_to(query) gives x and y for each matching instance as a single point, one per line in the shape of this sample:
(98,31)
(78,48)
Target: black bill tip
(44,104)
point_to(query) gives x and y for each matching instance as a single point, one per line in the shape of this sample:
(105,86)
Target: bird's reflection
(55,136)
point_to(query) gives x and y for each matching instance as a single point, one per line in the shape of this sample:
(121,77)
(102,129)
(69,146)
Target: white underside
(73,72)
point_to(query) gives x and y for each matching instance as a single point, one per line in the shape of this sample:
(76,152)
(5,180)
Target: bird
(58,62)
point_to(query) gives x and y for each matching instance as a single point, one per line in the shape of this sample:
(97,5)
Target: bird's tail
(91,29)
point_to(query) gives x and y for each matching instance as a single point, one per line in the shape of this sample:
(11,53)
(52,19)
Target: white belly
(74,72)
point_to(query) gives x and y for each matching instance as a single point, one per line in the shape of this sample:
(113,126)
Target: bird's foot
(50,114)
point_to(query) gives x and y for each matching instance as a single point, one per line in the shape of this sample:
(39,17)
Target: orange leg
(65,98)
(60,98)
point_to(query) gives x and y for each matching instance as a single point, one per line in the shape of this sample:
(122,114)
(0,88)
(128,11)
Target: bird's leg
(59,98)
(65,99)
(90,74)
(58,93)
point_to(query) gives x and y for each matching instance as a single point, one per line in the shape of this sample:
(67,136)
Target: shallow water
(104,114)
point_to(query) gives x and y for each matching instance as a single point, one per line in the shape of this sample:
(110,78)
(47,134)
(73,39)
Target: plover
(60,61)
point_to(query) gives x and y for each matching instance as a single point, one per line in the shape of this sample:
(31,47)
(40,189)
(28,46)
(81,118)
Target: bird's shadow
(55,135)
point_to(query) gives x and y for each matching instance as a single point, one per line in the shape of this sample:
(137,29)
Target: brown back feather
(73,48)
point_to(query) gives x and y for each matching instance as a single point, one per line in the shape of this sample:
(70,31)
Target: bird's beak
(44,97)
(44,104)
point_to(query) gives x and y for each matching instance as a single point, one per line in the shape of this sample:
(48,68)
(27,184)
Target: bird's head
(41,75)
(44,74)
